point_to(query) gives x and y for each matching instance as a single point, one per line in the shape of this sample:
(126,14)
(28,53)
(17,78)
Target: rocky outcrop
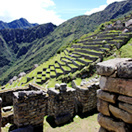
(115,95)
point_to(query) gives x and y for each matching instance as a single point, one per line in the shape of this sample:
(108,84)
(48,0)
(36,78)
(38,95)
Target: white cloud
(111,1)
(100,8)
(33,10)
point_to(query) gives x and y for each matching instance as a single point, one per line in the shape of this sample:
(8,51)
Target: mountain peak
(21,23)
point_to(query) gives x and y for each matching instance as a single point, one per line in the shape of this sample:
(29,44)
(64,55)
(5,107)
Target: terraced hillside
(82,53)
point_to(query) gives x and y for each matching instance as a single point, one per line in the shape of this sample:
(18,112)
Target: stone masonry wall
(0,113)
(115,95)
(86,99)
(7,95)
(61,103)
(30,107)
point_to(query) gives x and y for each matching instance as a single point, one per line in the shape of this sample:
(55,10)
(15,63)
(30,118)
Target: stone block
(125,99)
(111,125)
(126,107)
(116,85)
(124,69)
(106,96)
(103,107)
(102,130)
(107,68)
(121,114)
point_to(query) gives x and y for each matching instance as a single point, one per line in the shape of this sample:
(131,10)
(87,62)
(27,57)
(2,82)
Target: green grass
(58,70)
(66,68)
(53,73)
(72,66)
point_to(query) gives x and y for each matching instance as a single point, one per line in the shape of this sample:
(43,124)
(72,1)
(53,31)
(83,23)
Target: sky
(44,11)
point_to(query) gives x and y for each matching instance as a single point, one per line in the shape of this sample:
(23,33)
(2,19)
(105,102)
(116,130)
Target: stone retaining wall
(115,95)
(61,103)
(30,107)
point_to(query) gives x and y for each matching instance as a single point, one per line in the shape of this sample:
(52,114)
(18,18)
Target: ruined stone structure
(86,99)
(29,108)
(115,95)
(0,113)
(61,103)
(7,95)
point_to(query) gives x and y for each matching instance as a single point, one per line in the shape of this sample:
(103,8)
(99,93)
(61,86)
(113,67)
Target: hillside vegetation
(77,59)
(22,49)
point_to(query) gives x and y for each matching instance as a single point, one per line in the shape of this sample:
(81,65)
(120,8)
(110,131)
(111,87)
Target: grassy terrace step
(70,58)
(87,56)
(108,35)
(47,75)
(67,61)
(56,65)
(52,74)
(85,61)
(52,68)
(61,63)
(94,47)
(39,76)
(66,52)
(47,70)
(39,81)
(69,50)
(94,43)
(73,67)
(66,69)
(58,70)
(79,64)
(93,53)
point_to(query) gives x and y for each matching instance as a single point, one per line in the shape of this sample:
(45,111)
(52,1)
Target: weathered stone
(63,87)
(57,86)
(8,108)
(25,129)
(125,99)
(111,125)
(103,107)
(121,114)
(116,85)
(106,96)
(124,69)
(126,107)
(102,130)
(107,68)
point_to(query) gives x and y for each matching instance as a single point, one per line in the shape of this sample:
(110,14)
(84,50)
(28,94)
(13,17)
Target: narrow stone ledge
(126,107)
(125,99)
(124,69)
(107,68)
(102,130)
(116,85)
(121,114)
(106,96)
(103,107)
(111,125)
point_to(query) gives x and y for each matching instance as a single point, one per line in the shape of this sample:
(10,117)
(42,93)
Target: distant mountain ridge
(21,23)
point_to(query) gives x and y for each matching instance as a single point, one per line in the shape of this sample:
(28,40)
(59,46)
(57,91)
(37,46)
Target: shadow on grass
(89,113)
(52,123)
